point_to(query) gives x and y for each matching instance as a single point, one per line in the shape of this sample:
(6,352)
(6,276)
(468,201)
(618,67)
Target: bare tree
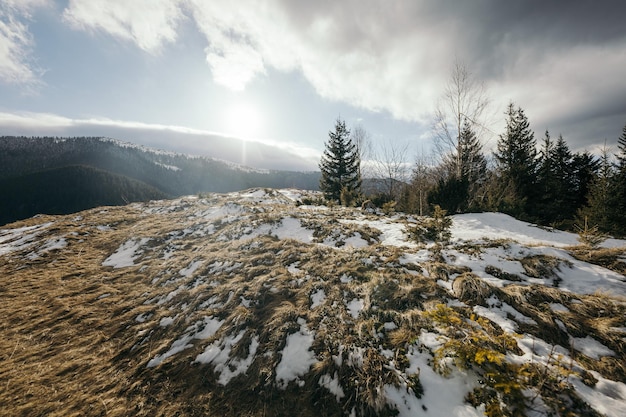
(423,178)
(390,166)
(463,101)
(363,142)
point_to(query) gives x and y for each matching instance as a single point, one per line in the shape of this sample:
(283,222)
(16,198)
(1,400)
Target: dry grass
(471,289)
(77,336)
(610,258)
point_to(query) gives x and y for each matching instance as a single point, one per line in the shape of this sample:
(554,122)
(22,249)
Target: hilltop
(260,303)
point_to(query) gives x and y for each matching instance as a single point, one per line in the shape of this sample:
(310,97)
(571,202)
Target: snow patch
(317,298)
(332,384)
(296,357)
(126,254)
(590,347)
(355,306)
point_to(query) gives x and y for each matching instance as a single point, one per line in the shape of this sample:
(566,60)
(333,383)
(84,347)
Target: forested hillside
(29,170)
(67,190)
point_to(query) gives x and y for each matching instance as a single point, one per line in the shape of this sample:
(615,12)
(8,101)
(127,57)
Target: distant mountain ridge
(154,172)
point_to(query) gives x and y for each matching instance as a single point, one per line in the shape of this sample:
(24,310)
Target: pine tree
(464,175)
(584,168)
(516,164)
(473,162)
(563,206)
(555,183)
(545,180)
(620,186)
(340,165)
(599,209)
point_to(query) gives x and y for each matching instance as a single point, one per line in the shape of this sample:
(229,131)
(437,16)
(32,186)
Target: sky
(261,83)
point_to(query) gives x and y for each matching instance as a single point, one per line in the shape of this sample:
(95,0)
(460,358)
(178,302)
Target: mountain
(171,174)
(67,190)
(253,303)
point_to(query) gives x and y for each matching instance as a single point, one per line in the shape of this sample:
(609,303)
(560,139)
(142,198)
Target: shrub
(589,236)
(435,229)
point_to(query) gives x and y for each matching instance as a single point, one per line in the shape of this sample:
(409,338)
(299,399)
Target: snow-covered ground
(204,300)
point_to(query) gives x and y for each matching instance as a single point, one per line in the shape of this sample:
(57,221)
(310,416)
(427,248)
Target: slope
(68,190)
(253,304)
(173,174)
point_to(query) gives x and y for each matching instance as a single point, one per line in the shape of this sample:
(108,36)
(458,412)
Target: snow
(209,327)
(12,240)
(497,316)
(220,347)
(293,268)
(126,254)
(590,347)
(608,397)
(170,167)
(178,346)
(356,241)
(291,228)
(494,226)
(345,279)
(166,321)
(355,306)
(393,233)
(414,258)
(558,307)
(53,244)
(585,278)
(332,384)
(317,298)
(296,357)
(575,276)
(443,395)
(190,269)
(218,354)
(49,245)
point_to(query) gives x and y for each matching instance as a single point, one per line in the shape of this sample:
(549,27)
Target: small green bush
(435,229)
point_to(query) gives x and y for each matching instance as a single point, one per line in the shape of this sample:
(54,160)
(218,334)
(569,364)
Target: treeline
(543,182)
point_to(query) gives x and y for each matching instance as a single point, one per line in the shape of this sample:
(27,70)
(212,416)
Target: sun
(244,120)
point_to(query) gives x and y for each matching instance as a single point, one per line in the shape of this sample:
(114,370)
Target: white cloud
(380,56)
(348,50)
(16,42)
(148,23)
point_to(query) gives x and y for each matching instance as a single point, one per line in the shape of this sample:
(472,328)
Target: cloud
(147,23)
(256,154)
(16,42)
(560,63)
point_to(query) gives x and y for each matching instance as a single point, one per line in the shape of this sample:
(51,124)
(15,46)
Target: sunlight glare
(244,120)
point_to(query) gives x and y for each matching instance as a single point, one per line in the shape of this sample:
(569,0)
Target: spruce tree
(555,183)
(545,180)
(464,176)
(473,162)
(516,164)
(563,206)
(620,186)
(599,211)
(584,169)
(340,165)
